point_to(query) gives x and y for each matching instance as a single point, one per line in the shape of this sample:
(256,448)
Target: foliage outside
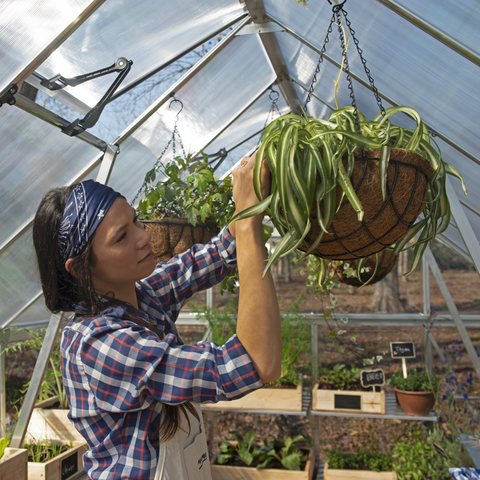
(365,459)
(42,451)
(290,453)
(416,381)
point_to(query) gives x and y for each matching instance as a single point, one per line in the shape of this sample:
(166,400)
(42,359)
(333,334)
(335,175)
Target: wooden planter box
(51,424)
(67,466)
(278,399)
(356,474)
(223,472)
(14,464)
(346,401)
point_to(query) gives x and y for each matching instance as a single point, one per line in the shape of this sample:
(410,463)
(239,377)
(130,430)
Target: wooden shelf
(392,410)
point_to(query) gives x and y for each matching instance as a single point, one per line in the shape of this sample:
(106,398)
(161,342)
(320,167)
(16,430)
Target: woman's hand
(244,194)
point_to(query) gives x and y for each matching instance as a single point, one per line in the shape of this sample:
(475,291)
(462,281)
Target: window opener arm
(58,82)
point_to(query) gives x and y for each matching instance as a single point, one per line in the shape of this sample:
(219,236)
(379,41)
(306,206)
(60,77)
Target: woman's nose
(145,236)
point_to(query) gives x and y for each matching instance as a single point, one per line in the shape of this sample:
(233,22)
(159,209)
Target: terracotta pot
(417,404)
(386,220)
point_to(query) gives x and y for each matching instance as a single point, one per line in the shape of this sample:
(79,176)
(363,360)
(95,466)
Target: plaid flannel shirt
(116,373)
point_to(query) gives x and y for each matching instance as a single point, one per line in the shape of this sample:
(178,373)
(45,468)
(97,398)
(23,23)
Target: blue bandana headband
(86,207)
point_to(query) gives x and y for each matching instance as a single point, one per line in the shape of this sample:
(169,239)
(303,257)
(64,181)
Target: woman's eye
(122,237)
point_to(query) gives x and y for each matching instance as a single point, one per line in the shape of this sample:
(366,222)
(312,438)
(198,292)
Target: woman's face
(122,251)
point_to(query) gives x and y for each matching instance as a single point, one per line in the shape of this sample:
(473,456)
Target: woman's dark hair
(63,291)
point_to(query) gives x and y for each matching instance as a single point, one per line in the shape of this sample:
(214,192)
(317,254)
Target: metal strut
(58,82)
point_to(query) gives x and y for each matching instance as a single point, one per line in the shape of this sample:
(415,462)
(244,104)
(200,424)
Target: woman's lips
(147,257)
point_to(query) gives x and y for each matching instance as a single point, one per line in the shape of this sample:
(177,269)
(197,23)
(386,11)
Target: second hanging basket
(172,236)
(386,220)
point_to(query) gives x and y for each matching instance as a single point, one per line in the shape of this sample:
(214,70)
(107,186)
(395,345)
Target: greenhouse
(346,285)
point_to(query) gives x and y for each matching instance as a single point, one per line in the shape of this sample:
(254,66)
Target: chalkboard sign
(371,378)
(347,402)
(402,349)
(69,466)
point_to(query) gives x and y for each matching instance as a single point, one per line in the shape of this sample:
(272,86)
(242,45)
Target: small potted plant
(285,394)
(188,205)
(273,460)
(339,389)
(55,459)
(366,464)
(13,461)
(416,393)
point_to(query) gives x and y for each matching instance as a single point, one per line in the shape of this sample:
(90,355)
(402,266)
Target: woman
(134,388)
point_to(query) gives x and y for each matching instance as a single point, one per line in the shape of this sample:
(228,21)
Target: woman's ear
(69,267)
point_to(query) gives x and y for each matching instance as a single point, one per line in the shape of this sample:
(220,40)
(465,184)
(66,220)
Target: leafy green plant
(4,442)
(340,377)
(416,381)
(305,159)
(43,451)
(189,189)
(365,459)
(412,456)
(287,452)
(52,384)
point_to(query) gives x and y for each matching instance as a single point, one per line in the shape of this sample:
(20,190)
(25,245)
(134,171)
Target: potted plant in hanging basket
(340,390)
(346,188)
(364,465)
(287,459)
(285,394)
(187,206)
(416,393)
(375,268)
(13,461)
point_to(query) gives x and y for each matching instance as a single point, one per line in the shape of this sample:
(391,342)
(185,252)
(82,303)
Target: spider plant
(299,150)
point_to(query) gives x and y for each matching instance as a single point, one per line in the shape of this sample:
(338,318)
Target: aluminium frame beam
(26,70)
(259,16)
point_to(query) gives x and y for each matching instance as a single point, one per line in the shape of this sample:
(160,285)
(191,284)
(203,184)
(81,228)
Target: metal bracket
(58,82)
(254,28)
(8,96)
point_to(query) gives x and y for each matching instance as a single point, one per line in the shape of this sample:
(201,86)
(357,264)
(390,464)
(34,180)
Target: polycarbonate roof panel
(19,281)
(212,99)
(249,123)
(35,157)
(408,65)
(28,27)
(149,33)
(458,19)
(37,313)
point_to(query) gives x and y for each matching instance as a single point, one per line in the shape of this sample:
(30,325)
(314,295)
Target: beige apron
(185,457)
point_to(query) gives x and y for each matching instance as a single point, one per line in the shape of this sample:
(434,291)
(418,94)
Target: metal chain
(320,60)
(346,68)
(364,62)
(273,106)
(175,132)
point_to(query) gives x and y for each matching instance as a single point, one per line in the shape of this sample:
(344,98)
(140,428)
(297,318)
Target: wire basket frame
(386,220)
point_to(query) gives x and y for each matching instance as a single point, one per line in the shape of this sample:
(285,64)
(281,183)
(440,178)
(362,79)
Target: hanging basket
(172,236)
(385,221)
(386,262)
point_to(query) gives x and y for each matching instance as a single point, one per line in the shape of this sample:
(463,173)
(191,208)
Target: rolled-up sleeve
(203,266)
(128,367)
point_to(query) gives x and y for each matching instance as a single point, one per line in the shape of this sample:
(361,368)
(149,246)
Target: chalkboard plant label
(372,378)
(402,349)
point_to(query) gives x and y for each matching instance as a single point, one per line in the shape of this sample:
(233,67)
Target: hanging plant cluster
(346,188)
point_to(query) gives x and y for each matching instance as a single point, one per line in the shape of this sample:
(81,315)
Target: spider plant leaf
(418,251)
(383,167)
(251,211)
(372,276)
(349,191)
(322,272)
(360,140)
(454,172)
(285,243)
(414,229)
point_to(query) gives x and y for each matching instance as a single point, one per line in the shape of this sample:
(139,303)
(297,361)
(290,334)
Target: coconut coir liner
(172,236)
(385,221)
(386,262)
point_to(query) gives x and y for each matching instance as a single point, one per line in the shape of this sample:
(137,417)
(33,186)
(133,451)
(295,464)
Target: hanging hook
(272,91)
(172,95)
(337,8)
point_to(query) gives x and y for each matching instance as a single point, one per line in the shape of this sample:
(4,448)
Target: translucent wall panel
(459,20)
(35,157)
(250,122)
(408,65)
(211,99)
(37,314)
(19,281)
(149,33)
(28,27)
